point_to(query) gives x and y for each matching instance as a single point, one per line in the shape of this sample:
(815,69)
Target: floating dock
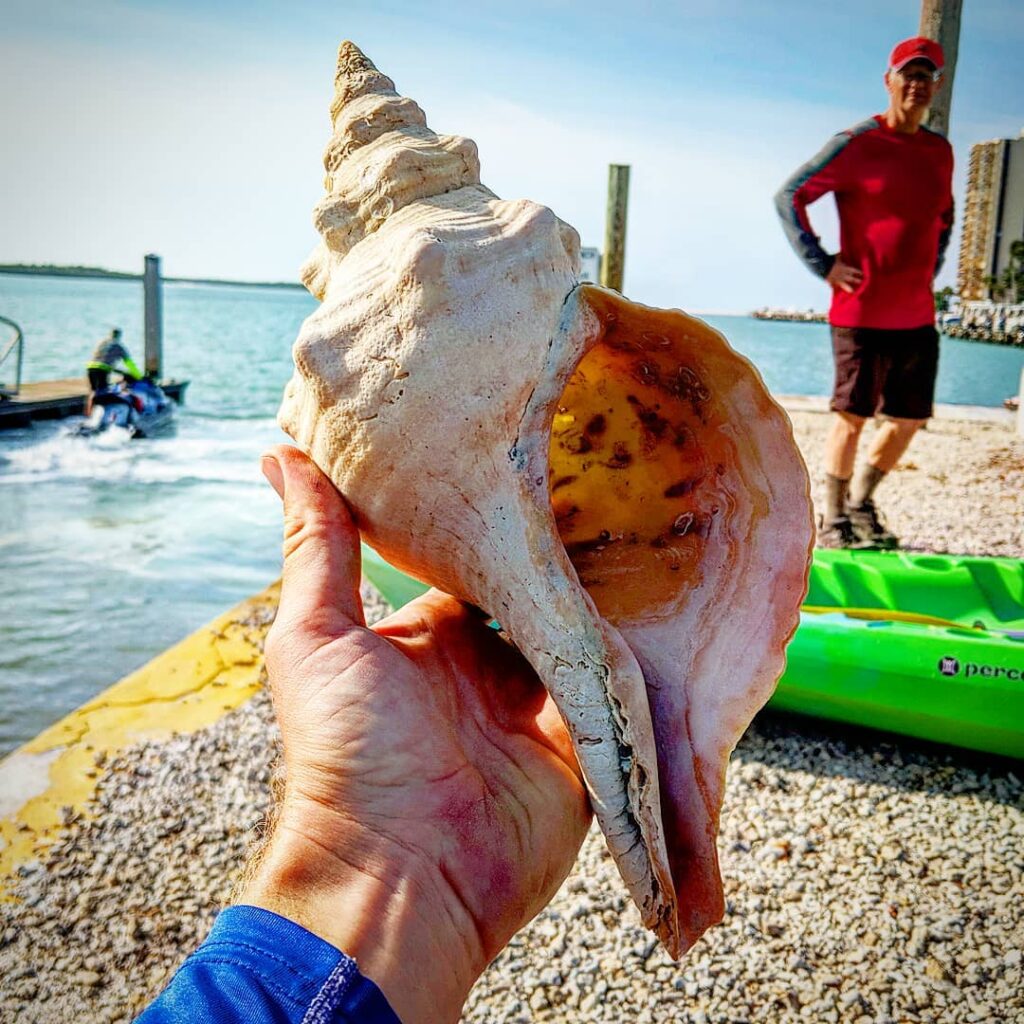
(56,399)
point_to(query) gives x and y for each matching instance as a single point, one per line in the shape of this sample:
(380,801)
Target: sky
(196,130)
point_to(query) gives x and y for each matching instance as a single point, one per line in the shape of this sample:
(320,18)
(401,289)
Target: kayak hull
(929,646)
(949,685)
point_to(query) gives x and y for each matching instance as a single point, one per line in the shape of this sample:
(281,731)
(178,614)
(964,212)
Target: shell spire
(356,75)
(381,157)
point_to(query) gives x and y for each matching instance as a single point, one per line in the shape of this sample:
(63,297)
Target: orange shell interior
(642,459)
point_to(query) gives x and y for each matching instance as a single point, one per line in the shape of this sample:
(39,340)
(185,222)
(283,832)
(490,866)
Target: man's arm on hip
(823,173)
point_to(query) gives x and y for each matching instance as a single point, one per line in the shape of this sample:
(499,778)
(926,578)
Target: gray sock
(867,480)
(835,497)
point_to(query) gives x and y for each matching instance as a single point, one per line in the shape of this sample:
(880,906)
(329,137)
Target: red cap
(917,48)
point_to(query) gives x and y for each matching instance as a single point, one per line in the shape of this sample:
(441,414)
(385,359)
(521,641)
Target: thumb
(322,561)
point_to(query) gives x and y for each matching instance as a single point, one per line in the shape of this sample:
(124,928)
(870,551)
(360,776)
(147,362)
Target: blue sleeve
(258,968)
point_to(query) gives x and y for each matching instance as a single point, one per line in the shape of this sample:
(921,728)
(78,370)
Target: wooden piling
(154,324)
(614,261)
(940,20)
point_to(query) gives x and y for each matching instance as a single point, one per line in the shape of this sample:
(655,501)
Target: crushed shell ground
(869,879)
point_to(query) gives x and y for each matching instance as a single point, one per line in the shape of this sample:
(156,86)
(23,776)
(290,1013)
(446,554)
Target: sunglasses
(917,75)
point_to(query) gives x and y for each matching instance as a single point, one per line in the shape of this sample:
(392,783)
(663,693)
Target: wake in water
(207,450)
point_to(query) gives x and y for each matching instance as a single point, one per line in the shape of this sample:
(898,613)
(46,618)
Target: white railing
(17,342)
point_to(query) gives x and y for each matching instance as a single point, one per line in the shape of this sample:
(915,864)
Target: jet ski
(139,406)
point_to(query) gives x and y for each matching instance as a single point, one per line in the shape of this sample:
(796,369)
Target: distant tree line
(56,270)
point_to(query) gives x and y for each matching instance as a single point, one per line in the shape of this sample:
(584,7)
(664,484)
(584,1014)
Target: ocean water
(112,550)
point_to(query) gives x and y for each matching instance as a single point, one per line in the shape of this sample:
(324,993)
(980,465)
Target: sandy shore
(868,879)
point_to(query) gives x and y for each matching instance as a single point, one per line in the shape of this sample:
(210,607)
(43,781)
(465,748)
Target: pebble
(918,942)
(842,852)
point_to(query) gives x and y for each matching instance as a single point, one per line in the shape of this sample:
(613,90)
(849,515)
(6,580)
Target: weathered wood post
(154,323)
(614,262)
(940,20)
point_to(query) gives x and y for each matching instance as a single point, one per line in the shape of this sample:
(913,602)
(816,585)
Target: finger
(322,563)
(425,613)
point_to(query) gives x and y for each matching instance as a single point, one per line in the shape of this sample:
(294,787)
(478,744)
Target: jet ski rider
(109,356)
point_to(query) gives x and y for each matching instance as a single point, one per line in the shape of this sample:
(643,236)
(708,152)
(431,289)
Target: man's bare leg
(891,441)
(841,444)
(840,454)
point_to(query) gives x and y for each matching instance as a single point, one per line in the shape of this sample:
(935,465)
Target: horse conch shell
(612,482)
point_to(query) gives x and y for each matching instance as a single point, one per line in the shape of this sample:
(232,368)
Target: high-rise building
(590,264)
(993,215)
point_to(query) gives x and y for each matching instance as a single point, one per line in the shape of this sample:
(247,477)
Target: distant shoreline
(809,316)
(54,270)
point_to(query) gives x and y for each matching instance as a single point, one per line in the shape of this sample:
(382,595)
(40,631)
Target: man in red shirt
(892,181)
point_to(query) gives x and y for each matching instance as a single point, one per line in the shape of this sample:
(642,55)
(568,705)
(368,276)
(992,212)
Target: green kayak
(925,645)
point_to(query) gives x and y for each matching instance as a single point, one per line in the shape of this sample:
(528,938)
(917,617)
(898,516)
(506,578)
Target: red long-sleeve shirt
(895,200)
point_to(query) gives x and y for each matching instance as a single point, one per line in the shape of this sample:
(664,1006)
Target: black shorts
(98,379)
(883,372)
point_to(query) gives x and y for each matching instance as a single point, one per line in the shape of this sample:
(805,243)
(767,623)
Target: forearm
(387,909)
(792,214)
(825,172)
(945,232)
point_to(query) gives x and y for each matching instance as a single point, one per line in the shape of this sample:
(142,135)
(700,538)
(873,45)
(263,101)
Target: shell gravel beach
(868,879)
(958,489)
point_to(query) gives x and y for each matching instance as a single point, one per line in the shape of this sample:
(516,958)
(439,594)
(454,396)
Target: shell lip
(577,332)
(679,931)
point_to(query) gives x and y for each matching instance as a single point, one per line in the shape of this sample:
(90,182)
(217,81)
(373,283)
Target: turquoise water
(113,550)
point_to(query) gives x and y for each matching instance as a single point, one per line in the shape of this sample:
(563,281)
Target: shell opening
(638,462)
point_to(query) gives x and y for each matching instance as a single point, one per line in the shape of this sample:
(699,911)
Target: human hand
(844,276)
(433,803)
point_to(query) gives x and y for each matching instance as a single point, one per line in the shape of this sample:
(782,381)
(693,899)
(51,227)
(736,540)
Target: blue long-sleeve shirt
(256,967)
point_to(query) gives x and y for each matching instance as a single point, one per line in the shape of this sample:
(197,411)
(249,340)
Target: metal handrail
(17,341)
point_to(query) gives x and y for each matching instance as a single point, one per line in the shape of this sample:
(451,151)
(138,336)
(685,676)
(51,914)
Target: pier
(57,399)
(23,403)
